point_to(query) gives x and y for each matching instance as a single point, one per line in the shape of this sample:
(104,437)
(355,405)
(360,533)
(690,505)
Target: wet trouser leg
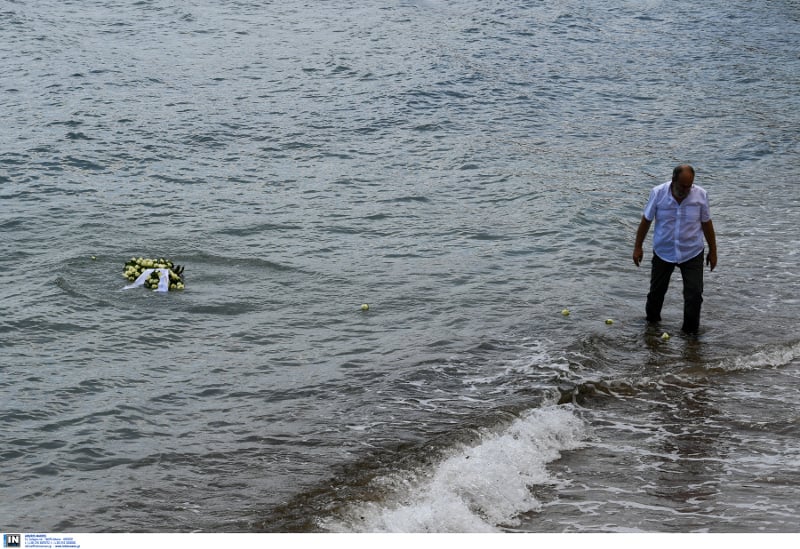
(659,282)
(692,274)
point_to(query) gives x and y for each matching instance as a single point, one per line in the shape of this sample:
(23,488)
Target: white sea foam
(475,489)
(777,356)
(535,357)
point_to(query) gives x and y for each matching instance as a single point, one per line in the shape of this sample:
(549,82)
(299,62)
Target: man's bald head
(682,180)
(684,172)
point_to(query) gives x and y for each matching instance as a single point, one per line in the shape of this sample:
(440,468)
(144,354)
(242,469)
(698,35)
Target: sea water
(468,169)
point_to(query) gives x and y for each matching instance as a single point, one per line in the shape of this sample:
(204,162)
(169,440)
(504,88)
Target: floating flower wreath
(154,274)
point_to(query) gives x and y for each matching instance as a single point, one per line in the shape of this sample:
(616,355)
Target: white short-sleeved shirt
(678,235)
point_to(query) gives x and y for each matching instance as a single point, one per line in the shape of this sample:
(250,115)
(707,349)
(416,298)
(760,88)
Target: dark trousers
(692,274)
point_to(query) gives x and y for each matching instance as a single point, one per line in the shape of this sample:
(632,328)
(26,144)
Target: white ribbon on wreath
(163,280)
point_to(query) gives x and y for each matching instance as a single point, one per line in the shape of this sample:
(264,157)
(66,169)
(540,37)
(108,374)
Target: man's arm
(711,238)
(641,232)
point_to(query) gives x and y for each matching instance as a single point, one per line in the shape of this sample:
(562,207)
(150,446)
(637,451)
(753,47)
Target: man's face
(684,184)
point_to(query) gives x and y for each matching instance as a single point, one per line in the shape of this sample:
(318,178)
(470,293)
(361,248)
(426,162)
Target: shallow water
(469,169)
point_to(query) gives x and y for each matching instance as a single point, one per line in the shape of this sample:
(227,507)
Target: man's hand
(711,238)
(711,259)
(638,255)
(641,232)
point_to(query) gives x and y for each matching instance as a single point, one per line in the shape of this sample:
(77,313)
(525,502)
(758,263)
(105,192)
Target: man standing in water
(682,217)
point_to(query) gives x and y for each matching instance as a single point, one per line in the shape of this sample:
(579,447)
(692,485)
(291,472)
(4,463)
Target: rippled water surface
(468,169)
